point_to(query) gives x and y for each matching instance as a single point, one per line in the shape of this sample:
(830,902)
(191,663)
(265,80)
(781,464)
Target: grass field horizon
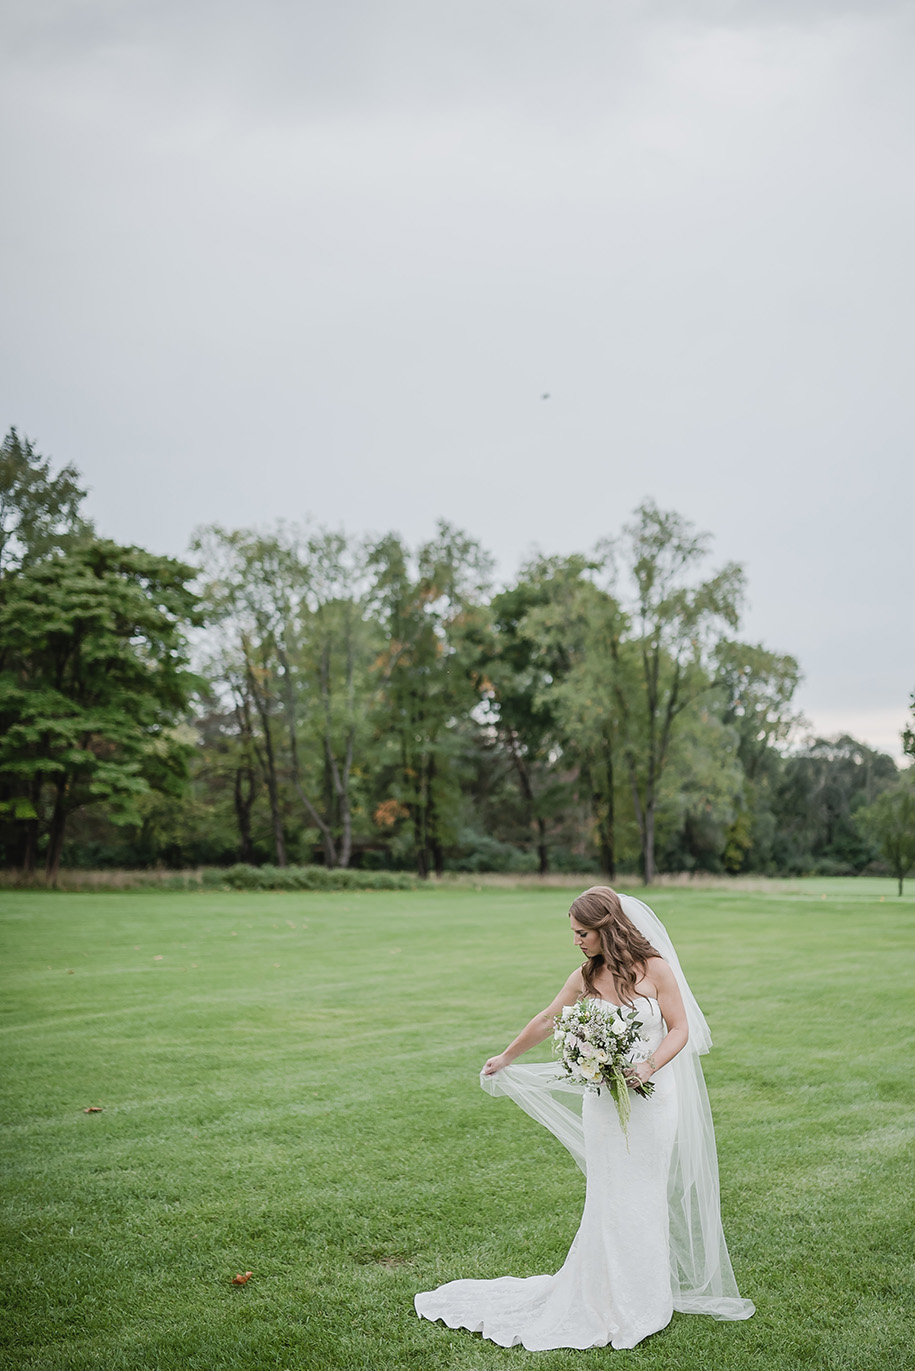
(76,880)
(289,1086)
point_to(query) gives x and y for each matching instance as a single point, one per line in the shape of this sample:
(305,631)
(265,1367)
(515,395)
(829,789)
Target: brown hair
(624,951)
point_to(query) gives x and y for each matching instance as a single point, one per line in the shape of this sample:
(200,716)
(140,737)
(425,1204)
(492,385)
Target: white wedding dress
(650,1240)
(614,1286)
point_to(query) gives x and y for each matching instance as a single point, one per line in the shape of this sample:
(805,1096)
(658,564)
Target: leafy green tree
(294,652)
(39,511)
(527,656)
(329,649)
(574,636)
(93,678)
(240,604)
(756,688)
(677,621)
(701,797)
(820,790)
(427,680)
(890,824)
(226,780)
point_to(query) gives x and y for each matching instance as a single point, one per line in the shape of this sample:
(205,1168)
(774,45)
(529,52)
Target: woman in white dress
(650,1239)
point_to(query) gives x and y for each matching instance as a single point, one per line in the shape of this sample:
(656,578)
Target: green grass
(348,1172)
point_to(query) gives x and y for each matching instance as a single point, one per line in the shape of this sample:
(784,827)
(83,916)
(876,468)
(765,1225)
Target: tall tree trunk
(327,837)
(604,847)
(648,843)
(657,758)
(339,783)
(268,765)
(337,777)
(346,842)
(527,790)
(421,803)
(30,847)
(244,796)
(542,849)
(32,829)
(598,807)
(610,827)
(279,838)
(637,808)
(56,835)
(438,857)
(419,841)
(345,810)
(433,836)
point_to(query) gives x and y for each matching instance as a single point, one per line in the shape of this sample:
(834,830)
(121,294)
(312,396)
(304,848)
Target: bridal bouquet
(595,1043)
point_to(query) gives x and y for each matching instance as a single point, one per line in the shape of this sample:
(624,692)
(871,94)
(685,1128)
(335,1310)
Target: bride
(650,1239)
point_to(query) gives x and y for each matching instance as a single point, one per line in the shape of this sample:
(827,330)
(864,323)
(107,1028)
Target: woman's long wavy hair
(624,951)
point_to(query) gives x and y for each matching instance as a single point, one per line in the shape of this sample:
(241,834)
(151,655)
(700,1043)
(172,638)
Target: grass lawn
(289,1087)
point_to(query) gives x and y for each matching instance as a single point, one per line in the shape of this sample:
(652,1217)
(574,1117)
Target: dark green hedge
(242,877)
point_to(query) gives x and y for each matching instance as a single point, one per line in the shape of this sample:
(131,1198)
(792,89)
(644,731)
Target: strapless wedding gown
(614,1286)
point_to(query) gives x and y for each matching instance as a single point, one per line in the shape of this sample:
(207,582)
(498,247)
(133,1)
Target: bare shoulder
(659,971)
(575,985)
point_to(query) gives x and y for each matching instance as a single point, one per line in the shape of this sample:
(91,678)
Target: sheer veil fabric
(701,1277)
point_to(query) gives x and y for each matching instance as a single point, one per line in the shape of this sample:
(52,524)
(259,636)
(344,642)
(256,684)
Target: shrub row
(241,877)
(237,877)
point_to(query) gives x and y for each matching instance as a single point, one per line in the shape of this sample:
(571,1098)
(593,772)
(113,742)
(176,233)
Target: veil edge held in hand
(701,1277)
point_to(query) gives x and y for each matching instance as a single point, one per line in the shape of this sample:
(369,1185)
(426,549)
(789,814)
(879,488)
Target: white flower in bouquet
(596,1042)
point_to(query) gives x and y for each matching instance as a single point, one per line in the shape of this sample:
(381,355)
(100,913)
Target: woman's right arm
(540,1026)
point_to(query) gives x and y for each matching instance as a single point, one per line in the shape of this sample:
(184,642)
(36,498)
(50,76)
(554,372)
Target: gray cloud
(288,258)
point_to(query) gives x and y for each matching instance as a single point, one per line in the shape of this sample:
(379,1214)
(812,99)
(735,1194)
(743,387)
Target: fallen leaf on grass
(158,957)
(242,1279)
(93,1109)
(71,973)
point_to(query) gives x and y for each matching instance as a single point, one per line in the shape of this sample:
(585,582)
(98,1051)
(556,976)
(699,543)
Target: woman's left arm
(671,1004)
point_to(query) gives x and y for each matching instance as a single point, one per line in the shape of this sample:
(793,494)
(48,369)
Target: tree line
(304,695)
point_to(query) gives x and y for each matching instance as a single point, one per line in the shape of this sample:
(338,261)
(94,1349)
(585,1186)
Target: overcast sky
(324,260)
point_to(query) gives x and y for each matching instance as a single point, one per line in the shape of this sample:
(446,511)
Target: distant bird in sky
(545,395)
